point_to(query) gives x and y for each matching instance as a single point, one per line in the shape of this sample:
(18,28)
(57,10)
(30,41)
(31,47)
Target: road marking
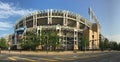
(11,58)
(28,59)
(51,60)
(84,57)
(23,58)
(65,58)
(59,58)
(69,59)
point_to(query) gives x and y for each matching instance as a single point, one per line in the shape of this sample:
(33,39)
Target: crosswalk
(15,58)
(48,59)
(55,59)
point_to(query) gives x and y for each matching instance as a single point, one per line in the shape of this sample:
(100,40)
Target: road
(84,57)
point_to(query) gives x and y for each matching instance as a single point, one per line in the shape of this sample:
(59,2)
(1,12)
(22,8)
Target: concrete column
(15,38)
(34,20)
(75,40)
(40,36)
(49,16)
(66,40)
(16,35)
(58,28)
(78,24)
(77,19)
(64,18)
(40,46)
(40,31)
(98,33)
(93,41)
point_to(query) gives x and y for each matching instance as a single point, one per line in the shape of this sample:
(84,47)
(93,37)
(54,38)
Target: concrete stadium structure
(70,27)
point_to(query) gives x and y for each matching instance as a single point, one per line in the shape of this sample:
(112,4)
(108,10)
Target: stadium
(69,26)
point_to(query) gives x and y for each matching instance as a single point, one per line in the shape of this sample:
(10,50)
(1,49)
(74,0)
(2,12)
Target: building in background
(69,26)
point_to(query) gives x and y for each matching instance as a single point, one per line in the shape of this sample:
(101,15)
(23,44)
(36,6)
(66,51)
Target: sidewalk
(47,53)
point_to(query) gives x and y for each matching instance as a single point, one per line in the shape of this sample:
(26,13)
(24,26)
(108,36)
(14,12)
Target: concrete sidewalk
(47,53)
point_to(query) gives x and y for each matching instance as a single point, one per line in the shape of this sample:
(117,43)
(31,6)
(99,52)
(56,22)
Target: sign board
(20,32)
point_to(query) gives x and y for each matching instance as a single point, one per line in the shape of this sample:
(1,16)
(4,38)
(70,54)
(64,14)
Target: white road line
(11,58)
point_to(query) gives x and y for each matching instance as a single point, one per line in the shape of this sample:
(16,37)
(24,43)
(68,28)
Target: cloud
(5,26)
(7,10)
(114,37)
(3,35)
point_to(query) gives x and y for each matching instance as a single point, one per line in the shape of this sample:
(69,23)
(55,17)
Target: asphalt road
(85,57)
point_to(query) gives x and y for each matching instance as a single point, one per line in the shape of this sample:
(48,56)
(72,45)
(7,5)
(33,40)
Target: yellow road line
(60,58)
(48,59)
(69,59)
(85,57)
(25,59)
(28,59)
(11,58)
(65,58)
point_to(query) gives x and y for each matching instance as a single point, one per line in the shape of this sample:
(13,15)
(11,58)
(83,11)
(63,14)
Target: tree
(30,41)
(53,39)
(101,44)
(106,43)
(3,43)
(114,45)
(50,39)
(47,39)
(118,48)
(84,42)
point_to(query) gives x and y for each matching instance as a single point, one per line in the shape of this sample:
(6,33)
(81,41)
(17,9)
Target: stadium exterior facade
(70,27)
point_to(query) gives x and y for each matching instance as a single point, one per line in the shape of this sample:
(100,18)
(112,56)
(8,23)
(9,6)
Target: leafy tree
(106,43)
(84,42)
(50,39)
(53,39)
(118,48)
(3,43)
(114,45)
(101,45)
(47,39)
(30,41)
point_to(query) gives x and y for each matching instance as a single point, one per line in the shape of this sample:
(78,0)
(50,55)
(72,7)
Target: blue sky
(107,12)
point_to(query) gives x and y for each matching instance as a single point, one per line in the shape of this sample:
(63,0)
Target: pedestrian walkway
(47,53)
(53,58)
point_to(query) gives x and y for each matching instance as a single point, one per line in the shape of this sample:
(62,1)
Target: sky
(107,12)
